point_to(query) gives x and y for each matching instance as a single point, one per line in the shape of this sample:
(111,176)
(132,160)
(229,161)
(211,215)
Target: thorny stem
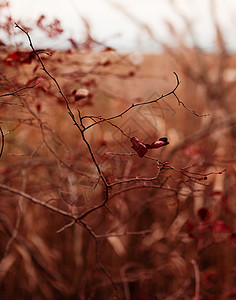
(69,215)
(105,120)
(42,126)
(81,129)
(189,109)
(44,69)
(190,175)
(67,105)
(80,126)
(149,102)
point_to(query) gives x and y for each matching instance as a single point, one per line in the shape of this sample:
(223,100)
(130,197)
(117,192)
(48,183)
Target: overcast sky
(111,21)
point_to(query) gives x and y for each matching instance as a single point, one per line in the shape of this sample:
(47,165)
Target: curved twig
(2,135)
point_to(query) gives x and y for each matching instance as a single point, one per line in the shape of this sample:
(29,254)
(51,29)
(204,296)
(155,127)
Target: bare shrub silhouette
(97,202)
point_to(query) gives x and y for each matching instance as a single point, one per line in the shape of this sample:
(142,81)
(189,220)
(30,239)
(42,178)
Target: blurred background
(169,228)
(130,26)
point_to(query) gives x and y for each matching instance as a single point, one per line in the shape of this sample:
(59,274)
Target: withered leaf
(142,148)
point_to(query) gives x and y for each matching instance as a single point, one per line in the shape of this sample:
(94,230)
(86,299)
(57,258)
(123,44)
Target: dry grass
(169,251)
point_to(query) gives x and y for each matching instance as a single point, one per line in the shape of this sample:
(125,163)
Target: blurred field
(174,235)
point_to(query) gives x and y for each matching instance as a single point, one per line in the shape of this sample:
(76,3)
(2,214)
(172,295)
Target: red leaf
(157,144)
(142,148)
(219,226)
(138,146)
(19,57)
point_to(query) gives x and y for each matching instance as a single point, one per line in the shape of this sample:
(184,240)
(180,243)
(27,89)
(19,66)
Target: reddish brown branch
(147,103)
(17,91)
(2,147)
(67,105)
(35,200)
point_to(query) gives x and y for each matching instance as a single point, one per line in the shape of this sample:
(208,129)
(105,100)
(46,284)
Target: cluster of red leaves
(216,227)
(19,57)
(142,148)
(52,29)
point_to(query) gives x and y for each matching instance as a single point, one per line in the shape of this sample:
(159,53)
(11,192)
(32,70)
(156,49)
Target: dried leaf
(138,146)
(157,144)
(142,148)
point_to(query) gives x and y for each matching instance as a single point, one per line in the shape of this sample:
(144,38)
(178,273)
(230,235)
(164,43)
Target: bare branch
(66,226)
(36,201)
(114,234)
(68,107)
(147,103)
(17,91)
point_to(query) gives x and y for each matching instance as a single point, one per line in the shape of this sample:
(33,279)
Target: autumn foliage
(117,178)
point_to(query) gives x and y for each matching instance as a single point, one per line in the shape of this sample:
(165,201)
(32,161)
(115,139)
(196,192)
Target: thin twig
(175,191)
(189,109)
(17,91)
(66,226)
(18,218)
(203,132)
(105,120)
(2,135)
(67,106)
(147,103)
(81,130)
(116,234)
(36,201)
